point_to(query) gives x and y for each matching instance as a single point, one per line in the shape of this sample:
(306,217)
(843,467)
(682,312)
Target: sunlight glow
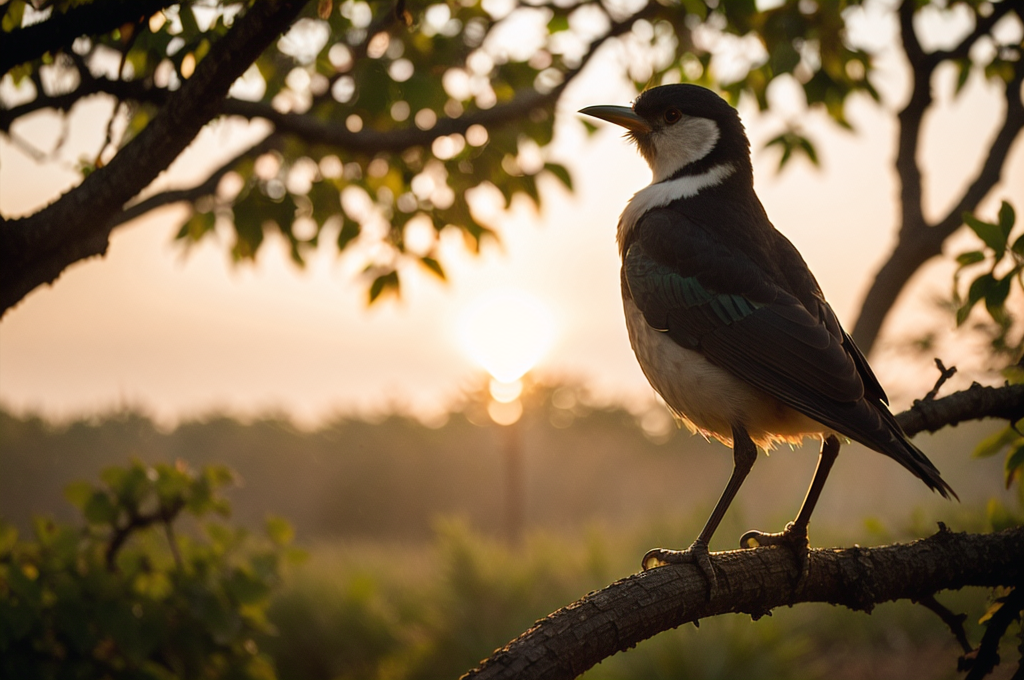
(506,332)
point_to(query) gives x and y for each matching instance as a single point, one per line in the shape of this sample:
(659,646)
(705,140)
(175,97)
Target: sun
(506,331)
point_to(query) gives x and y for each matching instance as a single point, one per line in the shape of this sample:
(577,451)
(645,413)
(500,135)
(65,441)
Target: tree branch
(987,657)
(611,620)
(992,169)
(982,26)
(974,403)
(60,30)
(576,637)
(205,188)
(918,240)
(35,250)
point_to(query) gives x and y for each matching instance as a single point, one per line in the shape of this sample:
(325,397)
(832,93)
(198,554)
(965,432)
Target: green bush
(126,596)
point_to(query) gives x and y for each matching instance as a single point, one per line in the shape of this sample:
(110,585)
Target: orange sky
(181,335)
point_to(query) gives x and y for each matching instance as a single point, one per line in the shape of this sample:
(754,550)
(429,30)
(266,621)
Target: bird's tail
(902,450)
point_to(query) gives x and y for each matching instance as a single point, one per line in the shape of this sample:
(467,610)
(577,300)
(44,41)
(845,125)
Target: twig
(205,188)
(954,621)
(987,657)
(172,542)
(974,403)
(136,522)
(944,375)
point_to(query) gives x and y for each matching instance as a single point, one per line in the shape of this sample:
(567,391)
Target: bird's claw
(791,537)
(697,554)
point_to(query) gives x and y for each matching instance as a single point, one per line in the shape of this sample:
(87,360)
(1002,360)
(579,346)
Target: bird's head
(681,129)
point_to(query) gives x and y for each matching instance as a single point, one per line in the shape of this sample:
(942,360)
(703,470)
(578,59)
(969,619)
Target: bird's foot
(793,538)
(696,554)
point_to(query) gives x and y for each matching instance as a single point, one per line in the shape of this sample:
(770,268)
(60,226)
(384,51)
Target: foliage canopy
(375,123)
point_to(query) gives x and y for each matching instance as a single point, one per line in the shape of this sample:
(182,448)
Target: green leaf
(979,289)
(991,234)
(561,172)
(993,444)
(78,493)
(1018,245)
(197,226)
(792,141)
(280,531)
(1006,219)
(246,587)
(100,509)
(12,18)
(384,283)
(995,296)
(349,230)
(809,149)
(1014,462)
(962,75)
(969,258)
(559,22)
(434,266)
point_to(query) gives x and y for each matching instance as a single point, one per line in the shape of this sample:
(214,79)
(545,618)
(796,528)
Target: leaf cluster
(1001,263)
(115,599)
(1010,440)
(386,119)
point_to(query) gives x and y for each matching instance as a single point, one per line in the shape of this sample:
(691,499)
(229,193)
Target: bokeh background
(368,427)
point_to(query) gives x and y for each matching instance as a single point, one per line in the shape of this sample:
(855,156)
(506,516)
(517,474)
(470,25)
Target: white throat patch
(679,145)
(660,194)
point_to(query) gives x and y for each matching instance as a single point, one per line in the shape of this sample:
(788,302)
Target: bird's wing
(716,300)
(784,340)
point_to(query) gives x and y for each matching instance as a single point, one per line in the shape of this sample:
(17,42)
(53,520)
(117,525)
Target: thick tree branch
(575,638)
(919,241)
(58,32)
(36,249)
(992,169)
(910,119)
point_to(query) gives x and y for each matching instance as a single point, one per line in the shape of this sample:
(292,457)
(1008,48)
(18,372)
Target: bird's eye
(672,116)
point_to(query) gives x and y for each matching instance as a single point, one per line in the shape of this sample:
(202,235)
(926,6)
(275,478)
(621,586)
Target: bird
(726,319)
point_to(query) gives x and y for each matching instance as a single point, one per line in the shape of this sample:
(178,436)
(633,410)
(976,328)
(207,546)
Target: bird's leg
(795,534)
(744,453)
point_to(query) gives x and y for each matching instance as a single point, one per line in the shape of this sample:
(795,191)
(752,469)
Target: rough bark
(580,635)
(36,249)
(974,403)
(575,638)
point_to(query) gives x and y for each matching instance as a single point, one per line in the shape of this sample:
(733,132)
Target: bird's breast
(708,398)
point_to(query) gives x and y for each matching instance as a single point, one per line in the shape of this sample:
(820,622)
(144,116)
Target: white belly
(709,399)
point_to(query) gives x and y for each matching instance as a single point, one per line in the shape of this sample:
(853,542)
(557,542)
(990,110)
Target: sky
(179,335)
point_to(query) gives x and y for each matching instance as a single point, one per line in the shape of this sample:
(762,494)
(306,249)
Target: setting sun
(506,332)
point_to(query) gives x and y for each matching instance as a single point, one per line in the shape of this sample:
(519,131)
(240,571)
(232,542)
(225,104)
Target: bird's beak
(620,115)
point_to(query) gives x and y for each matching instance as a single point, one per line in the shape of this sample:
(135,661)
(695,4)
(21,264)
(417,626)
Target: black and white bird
(727,321)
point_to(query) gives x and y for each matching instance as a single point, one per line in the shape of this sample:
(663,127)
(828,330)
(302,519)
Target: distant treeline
(388,478)
(391,478)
